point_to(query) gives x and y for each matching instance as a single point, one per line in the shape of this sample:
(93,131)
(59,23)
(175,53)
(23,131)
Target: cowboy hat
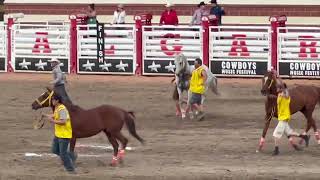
(201,4)
(169,4)
(54,60)
(213,1)
(120,6)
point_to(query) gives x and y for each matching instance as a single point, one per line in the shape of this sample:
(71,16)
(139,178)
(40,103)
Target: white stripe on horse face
(265,79)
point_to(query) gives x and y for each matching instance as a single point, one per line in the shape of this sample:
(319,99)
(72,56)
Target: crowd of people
(168,17)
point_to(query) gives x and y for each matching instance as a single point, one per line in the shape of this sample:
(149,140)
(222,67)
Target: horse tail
(129,120)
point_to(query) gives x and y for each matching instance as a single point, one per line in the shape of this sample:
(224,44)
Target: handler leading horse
(182,77)
(303,98)
(87,123)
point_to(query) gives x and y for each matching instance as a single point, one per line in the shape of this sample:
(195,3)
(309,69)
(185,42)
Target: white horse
(183,74)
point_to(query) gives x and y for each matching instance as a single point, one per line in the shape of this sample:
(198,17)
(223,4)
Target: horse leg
(124,142)
(115,146)
(268,119)
(73,154)
(311,123)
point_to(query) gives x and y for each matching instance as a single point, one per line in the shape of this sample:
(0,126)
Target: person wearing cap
(217,10)
(59,80)
(169,16)
(119,15)
(198,14)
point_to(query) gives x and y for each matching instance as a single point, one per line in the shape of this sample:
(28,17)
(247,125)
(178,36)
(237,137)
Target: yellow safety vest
(283,108)
(65,130)
(197,81)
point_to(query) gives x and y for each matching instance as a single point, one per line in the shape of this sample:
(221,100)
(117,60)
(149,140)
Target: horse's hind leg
(311,123)
(124,142)
(115,146)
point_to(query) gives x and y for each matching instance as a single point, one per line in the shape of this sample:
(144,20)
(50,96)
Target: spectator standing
(92,15)
(217,10)
(198,14)
(169,16)
(119,15)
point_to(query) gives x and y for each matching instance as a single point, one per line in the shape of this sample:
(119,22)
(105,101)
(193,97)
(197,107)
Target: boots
(276,151)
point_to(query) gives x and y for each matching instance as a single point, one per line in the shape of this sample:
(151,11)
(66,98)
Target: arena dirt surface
(220,147)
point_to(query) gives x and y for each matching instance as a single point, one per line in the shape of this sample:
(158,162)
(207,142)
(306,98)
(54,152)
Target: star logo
(105,66)
(170,67)
(122,66)
(24,64)
(88,65)
(154,67)
(41,65)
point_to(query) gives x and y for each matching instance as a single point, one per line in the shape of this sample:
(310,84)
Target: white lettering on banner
(305,66)
(240,68)
(100,42)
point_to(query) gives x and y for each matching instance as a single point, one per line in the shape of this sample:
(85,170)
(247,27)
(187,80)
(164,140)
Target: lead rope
(272,113)
(38,123)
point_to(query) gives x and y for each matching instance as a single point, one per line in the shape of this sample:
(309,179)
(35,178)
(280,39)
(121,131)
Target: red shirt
(169,17)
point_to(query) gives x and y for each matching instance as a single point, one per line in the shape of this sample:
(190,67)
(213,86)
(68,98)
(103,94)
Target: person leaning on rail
(119,15)
(198,14)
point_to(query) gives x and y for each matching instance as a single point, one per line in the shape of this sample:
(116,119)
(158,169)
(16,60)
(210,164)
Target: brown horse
(303,98)
(87,123)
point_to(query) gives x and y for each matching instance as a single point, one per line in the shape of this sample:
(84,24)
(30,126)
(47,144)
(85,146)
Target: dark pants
(60,148)
(61,90)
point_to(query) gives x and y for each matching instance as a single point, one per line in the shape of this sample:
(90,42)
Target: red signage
(239,47)
(310,45)
(176,49)
(41,41)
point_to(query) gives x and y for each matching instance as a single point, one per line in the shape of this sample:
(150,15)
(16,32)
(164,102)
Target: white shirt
(118,17)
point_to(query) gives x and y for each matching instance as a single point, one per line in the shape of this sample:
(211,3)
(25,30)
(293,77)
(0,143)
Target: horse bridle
(46,99)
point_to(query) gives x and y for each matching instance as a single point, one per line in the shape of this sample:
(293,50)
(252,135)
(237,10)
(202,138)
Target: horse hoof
(113,165)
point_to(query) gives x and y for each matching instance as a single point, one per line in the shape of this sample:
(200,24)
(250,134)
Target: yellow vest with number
(65,130)
(283,108)
(197,81)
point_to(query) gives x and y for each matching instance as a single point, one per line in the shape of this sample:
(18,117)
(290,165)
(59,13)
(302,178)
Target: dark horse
(303,98)
(87,123)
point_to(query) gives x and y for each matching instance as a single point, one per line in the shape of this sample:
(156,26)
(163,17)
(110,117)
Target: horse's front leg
(268,119)
(183,112)
(73,154)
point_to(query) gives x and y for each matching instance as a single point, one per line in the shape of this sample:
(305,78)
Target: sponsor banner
(38,65)
(300,69)
(2,64)
(238,68)
(109,66)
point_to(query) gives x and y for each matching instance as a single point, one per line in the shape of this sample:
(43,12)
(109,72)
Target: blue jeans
(60,148)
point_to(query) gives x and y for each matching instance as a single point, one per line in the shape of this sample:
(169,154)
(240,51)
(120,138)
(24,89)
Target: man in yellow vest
(283,105)
(197,88)
(63,133)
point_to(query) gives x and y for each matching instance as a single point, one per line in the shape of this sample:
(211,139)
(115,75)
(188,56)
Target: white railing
(299,52)
(119,50)
(239,50)
(160,44)
(34,45)
(3,48)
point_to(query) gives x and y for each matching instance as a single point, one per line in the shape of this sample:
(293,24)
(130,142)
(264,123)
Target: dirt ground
(220,147)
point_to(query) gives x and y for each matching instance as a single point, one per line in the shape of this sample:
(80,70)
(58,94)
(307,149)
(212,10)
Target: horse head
(270,83)
(44,100)
(181,63)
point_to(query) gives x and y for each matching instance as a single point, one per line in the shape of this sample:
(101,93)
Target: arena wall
(240,12)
